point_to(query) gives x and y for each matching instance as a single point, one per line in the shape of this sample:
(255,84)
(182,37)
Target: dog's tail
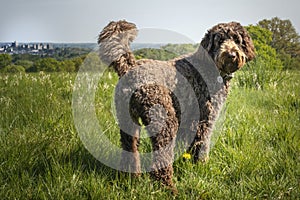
(114,45)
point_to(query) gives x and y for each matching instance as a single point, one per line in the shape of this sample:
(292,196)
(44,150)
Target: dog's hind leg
(163,143)
(162,169)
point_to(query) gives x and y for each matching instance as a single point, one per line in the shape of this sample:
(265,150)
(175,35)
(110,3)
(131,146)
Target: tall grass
(256,155)
(259,74)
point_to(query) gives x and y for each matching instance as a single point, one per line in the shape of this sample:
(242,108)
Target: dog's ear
(207,41)
(248,47)
(213,39)
(245,39)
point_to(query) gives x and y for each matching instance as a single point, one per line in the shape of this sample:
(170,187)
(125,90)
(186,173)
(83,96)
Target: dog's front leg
(201,145)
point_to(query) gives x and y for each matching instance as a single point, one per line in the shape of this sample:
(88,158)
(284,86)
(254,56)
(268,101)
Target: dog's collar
(226,77)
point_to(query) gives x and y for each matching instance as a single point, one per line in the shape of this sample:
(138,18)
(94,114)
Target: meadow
(255,156)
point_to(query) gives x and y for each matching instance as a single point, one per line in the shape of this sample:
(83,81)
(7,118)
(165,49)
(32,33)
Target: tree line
(276,42)
(10,64)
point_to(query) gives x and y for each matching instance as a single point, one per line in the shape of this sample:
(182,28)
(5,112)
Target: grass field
(256,156)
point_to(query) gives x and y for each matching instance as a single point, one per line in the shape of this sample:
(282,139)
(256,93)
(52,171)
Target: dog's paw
(204,159)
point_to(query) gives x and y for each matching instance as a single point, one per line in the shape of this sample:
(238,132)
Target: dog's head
(230,46)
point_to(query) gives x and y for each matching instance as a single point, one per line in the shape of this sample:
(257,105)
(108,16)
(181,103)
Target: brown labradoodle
(159,93)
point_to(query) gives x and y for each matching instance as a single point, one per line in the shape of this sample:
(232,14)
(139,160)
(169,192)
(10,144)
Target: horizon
(80,21)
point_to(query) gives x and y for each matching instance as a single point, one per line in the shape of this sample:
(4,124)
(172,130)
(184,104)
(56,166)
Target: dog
(161,93)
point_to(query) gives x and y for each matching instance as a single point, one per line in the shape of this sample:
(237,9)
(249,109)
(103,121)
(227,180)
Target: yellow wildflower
(187,156)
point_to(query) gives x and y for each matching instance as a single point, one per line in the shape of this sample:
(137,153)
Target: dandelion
(187,156)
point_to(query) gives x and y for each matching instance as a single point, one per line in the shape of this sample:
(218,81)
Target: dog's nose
(232,55)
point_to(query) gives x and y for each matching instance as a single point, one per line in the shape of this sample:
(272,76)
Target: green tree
(5,59)
(20,57)
(285,40)
(77,62)
(47,65)
(68,66)
(92,62)
(262,39)
(180,49)
(157,54)
(13,69)
(25,63)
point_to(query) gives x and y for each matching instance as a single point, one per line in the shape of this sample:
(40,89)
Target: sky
(82,20)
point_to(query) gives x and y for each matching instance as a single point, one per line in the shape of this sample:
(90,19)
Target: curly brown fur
(229,46)
(114,45)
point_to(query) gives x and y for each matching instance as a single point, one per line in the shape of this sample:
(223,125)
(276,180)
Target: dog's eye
(217,37)
(236,40)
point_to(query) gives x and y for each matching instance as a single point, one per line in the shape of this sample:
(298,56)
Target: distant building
(49,46)
(39,46)
(23,48)
(35,51)
(14,44)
